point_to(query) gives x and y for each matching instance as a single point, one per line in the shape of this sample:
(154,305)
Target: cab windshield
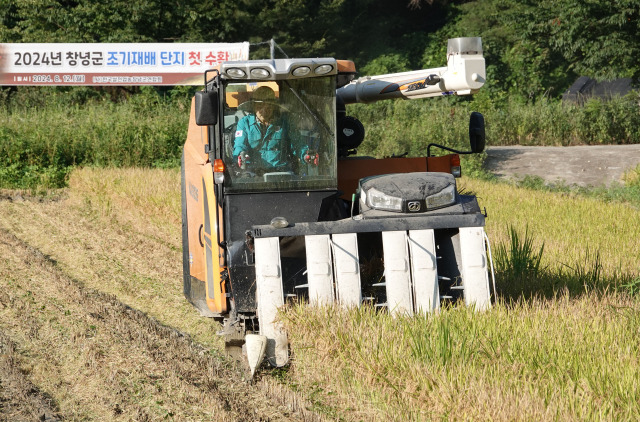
(280,135)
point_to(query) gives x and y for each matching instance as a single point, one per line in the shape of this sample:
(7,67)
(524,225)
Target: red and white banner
(114,64)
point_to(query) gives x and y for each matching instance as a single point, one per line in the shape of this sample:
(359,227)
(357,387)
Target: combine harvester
(297,217)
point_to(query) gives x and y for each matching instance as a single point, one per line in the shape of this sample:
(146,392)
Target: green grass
(43,137)
(627,192)
(569,224)
(45,131)
(520,274)
(395,127)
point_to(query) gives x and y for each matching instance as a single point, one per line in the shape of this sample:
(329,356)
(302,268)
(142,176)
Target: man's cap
(264,94)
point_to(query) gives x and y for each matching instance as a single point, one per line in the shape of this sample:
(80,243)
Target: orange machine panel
(351,170)
(215,291)
(196,139)
(346,66)
(439,164)
(194,191)
(194,159)
(204,252)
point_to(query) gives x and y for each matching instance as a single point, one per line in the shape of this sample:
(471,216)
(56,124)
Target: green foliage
(516,62)
(629,192)
(632,177)
(598,39)
(116,21)
(45,135)
(632,286)
(548,122)
(398,127)
(532,48)
(614,121)
(387,63)
(33,177)
(59,128)
(533,51)
(361,29)
(536,48)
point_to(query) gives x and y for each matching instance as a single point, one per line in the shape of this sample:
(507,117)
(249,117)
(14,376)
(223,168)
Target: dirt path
(595,165)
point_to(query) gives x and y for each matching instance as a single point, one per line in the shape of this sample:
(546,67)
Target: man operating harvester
(264,141)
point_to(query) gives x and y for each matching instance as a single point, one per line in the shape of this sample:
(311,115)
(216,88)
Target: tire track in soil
(20,400)
(174,351)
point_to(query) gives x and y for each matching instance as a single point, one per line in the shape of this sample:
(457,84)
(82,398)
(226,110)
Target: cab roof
(278,69)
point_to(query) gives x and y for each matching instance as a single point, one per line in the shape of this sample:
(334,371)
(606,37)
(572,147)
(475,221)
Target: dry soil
(591,165)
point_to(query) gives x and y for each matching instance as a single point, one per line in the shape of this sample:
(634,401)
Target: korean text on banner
(113,64)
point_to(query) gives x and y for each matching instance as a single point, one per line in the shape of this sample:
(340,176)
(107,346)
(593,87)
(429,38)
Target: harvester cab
(275,207)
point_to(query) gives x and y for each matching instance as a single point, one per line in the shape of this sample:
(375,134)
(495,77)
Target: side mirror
(206,108)
(476,132)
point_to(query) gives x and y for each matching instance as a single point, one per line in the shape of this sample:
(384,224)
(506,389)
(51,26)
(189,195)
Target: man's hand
(243,159)
(312,158)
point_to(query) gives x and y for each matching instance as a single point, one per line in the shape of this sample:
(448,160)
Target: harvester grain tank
(295,215)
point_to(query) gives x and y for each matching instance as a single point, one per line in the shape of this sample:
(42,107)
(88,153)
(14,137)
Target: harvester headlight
(446,196)
(235,72)
(260,73)
(382,201)
(301,71)
(408,193)
(323,69)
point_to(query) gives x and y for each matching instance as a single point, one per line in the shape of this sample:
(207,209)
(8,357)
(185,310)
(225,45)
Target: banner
(114,64)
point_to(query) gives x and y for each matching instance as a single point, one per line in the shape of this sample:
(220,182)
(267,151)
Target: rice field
(560,343)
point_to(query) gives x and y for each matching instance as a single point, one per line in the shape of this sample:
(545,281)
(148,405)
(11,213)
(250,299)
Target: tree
(359,30)
(535,48)
(115,21)
(597,39)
